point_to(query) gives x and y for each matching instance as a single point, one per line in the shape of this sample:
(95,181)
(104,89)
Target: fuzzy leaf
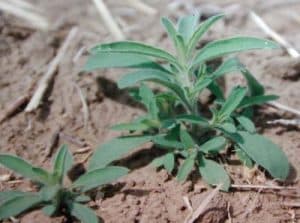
(18,204)
(246,123)
(193,119)
(214,145)
(201,30)
(24,168)
(230,65)
(187,26)
(134,48)
(100,60)
(213,173)
(169,162)
(185,169)
(233,101)
(148,99)
(62,162)
(9,195)
(256,100)
(243,157)
(186,139)
(49,210)
(115,149)
(216,90)
(265,153)
(227,127)
(98,177)
(222,47)
(83,213)
(255,87)
(167,142)
(130,79)
(82,199)
(170,28)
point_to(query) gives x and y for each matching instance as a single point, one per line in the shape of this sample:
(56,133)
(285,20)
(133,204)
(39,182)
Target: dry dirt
(146,195)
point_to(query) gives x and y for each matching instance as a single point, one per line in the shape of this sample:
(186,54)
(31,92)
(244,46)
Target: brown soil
(145,195)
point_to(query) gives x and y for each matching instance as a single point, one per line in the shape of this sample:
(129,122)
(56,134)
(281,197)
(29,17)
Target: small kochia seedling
(176,120)
(52,196)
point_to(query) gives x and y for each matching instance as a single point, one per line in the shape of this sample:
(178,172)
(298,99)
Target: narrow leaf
(193,119)
(214,145)
(169,162)
(25,169)
(17,205)
(130,79)
(243,157)
(99,60)
(256,100)
(83,213)
(213,173)
(201,30)
(115,149)
(187,26)
(169,27)
(167,142)
(255,87)
(98,177)
(130,127)
(62,163)
(232,45)
(233,101)
(148,99)
(135,48)
(9,195)
(265,153)
(186,139)
(185,169)
(230,65)
(49,210)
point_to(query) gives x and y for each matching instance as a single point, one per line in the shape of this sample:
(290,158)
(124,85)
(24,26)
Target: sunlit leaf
(82,213)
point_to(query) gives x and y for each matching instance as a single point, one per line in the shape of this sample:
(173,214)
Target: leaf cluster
(53,197)
(176,121)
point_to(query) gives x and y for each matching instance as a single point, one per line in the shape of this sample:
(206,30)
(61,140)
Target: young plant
(53,197)
(176,120)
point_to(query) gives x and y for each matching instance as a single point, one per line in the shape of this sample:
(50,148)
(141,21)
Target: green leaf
(171,30)
(100,60)
(168,161)
(83,213)
(25,169)
(62,162)
(166,141)
(135,48)
(227,127)
(9,195)
(115,149)
(255,87)
(222,47)
(98,177)
(214,145)
(230,65)
(246,123)
(18,204)
(213,173)
(265,153)
(49,192)
(257,100)
(193,119)
(233,101)
(216,90)
(130,127)
(185,169)
(187,26)
(49,210)
(201,84)
(201,30)
(148,99)
(82,199)
(186,139)
(130,79)
(243,157)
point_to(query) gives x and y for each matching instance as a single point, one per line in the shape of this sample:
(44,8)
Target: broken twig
(204,204)
(294,122)
(141,6)
(85,108)
(46,79)
(35,19)
(274,35)
(13,108)
(261,187)
(108,20)
(284,108)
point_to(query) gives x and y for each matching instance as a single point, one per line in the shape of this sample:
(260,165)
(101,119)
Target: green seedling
(176,120)
(53,197)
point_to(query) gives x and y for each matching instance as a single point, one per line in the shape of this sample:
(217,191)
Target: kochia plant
(52,196)
(176,120)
